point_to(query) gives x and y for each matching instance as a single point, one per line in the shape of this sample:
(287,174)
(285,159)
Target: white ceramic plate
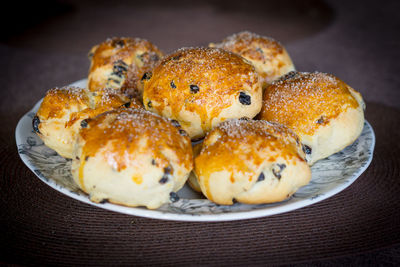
(329,177)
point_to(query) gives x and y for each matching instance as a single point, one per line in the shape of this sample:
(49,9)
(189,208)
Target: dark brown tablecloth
(45,44)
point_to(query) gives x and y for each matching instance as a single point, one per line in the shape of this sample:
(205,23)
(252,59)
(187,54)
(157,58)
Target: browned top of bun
(305,101)
(60,101)
(77,103)
(268,55)
(231,138)
(127,131)
(108,97)
(201,80)
(248,44)
(141,54)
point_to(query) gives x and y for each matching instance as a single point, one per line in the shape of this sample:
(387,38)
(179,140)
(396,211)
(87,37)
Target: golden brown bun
(322,110)
(62,111)
(252,162)
(120,63)
(131,157)
(268,56)
(200,87)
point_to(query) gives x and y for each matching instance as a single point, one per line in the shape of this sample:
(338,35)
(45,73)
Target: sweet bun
(131,157)
(200,87)
(268,56)
(322,110)
(251,162)
(120,63)
(63,111)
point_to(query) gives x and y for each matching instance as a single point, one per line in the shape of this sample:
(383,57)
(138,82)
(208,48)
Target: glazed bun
(63,111)
(322,110)
(200,87)
(120,63)
(268,56)
(251,162)
(131,157)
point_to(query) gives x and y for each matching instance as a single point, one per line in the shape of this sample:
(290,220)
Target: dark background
(44,44)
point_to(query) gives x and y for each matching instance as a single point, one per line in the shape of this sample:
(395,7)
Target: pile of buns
(234,120)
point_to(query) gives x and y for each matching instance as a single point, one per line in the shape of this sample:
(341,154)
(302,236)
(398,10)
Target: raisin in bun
(200,87)
(120,63)
(268,56)
(322,110)
(63,111)
(131,157)
(251,162)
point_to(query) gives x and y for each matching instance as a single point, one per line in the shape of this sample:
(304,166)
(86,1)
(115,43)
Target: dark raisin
(276,173)
(77,158)
(177,57)
(194,89)
(86,158)
(289,75)
(197,140)
(149,104)
(146,76)
(119,70)
(163,179)
(183,132)
(35,124)
(261,177)
(84,123)
(307,149)
(173,197)
(114,80)
(153,162)
(320,120)
(172,85)
(127,105)
(103,201)
(244,99)
(234,200)
(176,123)
(277,170)
(121,63)
(167,170)
(118,43)
(281,166)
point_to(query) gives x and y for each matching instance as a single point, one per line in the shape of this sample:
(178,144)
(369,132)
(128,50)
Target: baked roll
(64,110)
(268,56)
(120,63)
(200,87)
(251,162)
(131,157)
(322,110)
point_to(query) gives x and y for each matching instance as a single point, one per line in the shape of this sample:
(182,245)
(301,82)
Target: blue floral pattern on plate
(329,177)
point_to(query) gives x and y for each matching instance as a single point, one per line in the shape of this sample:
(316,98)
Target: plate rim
(164,215)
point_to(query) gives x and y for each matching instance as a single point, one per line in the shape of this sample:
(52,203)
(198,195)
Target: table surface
(358,42)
